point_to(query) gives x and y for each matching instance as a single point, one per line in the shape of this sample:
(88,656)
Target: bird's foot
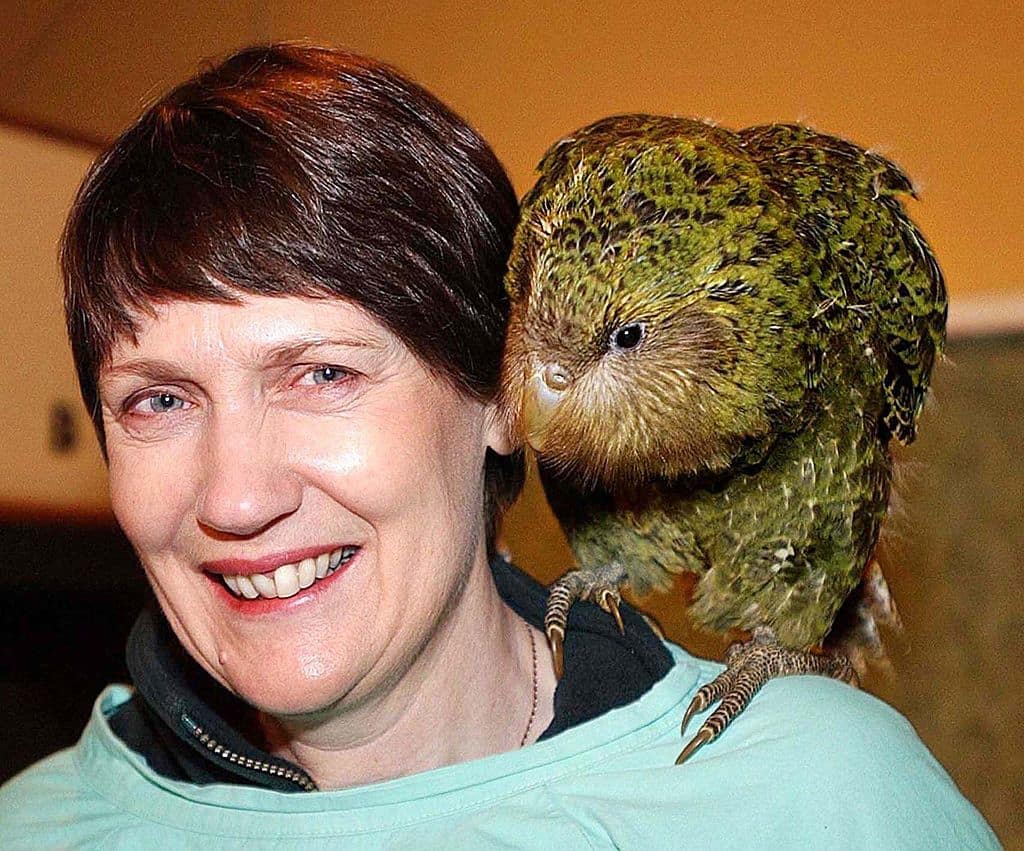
(749,665)
(599,585)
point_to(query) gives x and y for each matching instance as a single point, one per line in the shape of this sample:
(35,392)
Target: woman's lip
(265,564)
(263,606)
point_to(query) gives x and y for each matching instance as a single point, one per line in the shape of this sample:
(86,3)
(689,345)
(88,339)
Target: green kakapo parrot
(714,337)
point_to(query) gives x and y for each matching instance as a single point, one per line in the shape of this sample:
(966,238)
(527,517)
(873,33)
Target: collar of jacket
(188,727)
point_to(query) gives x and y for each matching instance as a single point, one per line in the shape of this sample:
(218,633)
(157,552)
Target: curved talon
(749,666)
(713,726)
(708,694)
(555,640)
(599,585)
(610,603)
(702,738)
(697,705)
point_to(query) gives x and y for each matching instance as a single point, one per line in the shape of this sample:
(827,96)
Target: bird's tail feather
(856,631)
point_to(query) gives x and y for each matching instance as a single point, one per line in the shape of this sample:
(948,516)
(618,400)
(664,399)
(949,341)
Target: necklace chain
(533,705)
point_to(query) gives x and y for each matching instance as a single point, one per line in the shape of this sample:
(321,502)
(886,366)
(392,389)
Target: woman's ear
(497,433)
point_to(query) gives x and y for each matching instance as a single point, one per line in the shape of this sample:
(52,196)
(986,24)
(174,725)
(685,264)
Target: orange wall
(937,86)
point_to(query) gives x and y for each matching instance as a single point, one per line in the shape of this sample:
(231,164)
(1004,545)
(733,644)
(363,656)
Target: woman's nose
(248,485)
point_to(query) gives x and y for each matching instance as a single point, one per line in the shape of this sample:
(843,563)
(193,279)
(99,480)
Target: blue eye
(327,374)
(163,402)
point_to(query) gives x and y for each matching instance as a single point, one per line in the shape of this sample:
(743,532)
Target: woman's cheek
(337,462)
(357,464)
(152,492)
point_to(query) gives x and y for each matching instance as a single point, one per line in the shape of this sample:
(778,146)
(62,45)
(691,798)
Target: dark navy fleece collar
(175,697)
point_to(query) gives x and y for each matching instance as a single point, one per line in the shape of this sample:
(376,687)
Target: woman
(285,304)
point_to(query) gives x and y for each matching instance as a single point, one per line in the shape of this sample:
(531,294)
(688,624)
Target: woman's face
(255,447)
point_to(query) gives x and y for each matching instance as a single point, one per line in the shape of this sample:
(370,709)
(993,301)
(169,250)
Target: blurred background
(935,86)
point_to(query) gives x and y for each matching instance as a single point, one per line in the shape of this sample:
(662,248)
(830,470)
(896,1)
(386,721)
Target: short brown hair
(296,170)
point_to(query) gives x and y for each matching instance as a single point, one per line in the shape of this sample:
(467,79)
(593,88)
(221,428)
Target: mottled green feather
(791,314)
(848,200)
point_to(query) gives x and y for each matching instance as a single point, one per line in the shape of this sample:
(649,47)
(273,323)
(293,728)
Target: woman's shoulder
(811,763)
(53,804)
(48,805)
(795,716)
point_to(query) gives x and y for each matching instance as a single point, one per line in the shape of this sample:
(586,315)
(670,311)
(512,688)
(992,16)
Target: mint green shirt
(812,763)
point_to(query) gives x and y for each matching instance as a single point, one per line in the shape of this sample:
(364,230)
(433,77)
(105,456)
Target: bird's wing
(848,207)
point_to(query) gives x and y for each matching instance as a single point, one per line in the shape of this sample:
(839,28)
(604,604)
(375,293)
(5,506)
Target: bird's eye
(628,336)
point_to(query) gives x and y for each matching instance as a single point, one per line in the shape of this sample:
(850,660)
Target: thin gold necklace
(533,706)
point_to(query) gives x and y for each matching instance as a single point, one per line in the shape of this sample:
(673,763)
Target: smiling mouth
(288,579)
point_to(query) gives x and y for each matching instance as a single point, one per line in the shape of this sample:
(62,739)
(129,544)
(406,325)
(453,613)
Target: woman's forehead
(254,327)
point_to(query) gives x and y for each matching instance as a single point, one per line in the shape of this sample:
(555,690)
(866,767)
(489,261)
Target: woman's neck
(481,684)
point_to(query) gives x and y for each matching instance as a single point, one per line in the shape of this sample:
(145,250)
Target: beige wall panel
(39,178)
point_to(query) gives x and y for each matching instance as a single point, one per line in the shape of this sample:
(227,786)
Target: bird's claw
(749,666)
(556,638)
(600,585)
(608,600)
(702,738)
(709,730)
(697,705)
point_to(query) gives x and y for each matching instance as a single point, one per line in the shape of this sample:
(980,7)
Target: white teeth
(247,588)
(307,572)
(264,584)
(286,577)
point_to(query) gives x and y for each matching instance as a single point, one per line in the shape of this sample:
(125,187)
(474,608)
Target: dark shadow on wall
(68,596)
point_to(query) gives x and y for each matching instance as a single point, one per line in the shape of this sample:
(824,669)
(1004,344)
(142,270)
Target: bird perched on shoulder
(714,337)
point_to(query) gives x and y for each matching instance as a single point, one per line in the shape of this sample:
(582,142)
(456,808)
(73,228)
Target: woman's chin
(291,693)
(296,672)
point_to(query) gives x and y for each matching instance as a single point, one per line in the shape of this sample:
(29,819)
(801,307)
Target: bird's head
(656,322)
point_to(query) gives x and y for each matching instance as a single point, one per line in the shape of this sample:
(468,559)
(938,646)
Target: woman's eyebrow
(153,369)
(290,349)
(158,369)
